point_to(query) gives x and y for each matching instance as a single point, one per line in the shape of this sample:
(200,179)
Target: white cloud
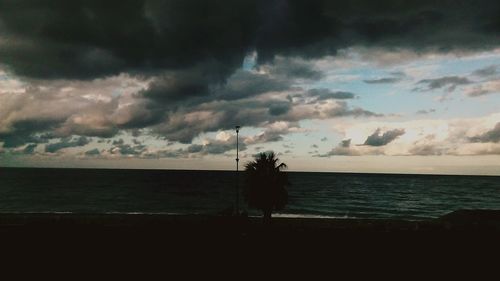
(425,136)
(485,88)
(96,105)
(9,84)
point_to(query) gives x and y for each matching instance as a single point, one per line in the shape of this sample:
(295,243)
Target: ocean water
(341,195)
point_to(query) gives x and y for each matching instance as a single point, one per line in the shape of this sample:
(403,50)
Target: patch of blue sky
(400,99)
(457,103)
(463,66)
(249,61)
(465,107)
(381,98)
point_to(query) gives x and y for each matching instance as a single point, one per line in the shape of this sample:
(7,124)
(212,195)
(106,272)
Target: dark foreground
(187,230)
(462,235)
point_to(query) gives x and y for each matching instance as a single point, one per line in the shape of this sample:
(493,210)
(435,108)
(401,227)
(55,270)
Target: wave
(312,216)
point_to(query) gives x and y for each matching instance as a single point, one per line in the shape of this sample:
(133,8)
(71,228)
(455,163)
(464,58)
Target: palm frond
(282,166)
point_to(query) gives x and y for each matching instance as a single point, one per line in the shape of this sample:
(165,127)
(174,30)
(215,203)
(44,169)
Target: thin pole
(237,172)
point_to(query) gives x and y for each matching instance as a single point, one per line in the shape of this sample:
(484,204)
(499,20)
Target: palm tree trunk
(267,216)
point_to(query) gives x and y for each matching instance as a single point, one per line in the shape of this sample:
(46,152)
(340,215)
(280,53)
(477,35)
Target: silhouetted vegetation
(265,184)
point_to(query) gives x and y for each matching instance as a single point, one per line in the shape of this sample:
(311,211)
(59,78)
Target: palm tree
(265,184)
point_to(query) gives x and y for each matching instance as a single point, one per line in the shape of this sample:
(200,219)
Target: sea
(336,195)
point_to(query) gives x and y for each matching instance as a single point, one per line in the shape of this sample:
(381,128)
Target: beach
(198,245)
(241,229)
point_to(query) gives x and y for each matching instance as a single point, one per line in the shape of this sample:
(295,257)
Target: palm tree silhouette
(265,185)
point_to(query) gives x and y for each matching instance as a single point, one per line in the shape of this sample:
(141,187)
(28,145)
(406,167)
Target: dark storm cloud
(88,39)
(186,88)
(66,143)
(316,28)
(181,85)
(290,68)
(24,131)
(325,94)
(245,84)
(377,139)
(449,82)
(179,102)
(279,108)
(491,136)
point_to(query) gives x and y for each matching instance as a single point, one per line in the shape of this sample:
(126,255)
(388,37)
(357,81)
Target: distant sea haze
(340,195)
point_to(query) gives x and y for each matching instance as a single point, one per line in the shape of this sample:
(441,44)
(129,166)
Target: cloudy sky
(361,86)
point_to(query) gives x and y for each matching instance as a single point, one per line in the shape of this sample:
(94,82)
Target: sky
(333,86)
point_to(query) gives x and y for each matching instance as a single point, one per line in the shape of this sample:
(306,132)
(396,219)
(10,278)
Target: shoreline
(457,220)
(275,216)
